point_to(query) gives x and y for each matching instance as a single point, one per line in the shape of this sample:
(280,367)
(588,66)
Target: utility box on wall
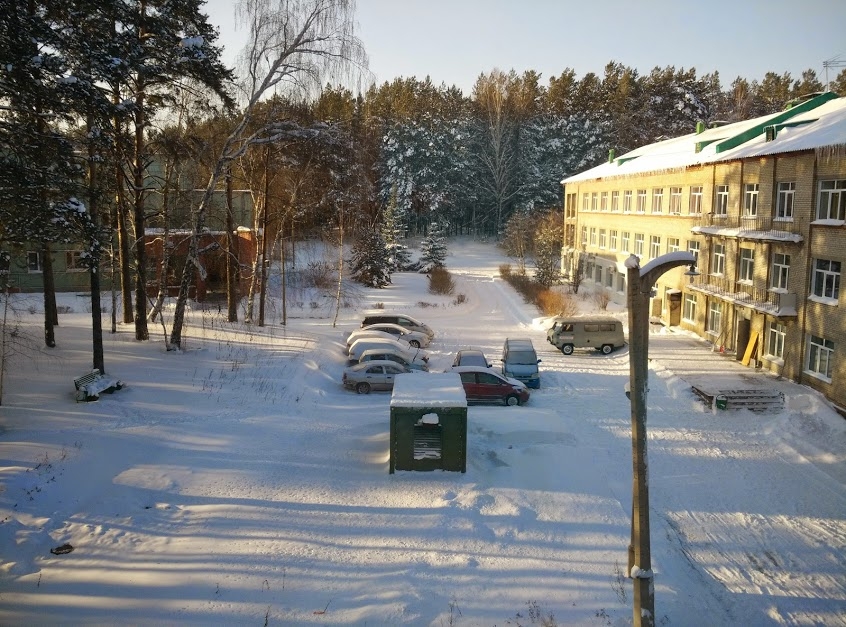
(428,423)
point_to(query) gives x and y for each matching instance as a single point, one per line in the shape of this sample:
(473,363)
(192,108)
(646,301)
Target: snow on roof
(821,127)
(436,389)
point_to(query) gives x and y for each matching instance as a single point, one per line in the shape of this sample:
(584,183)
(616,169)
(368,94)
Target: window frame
(779,271)
(825,282)
(714,320)
(785,201)
(835,200)
(689,307)
(750,200)
(776,336)
(654,246)
(657,200)
(625,241)
(675,201)
(819,358)
(638,244)
(717,267)
(746,266)
(694,206)
(615,201)
(640,205)
(627,201)
(721,201)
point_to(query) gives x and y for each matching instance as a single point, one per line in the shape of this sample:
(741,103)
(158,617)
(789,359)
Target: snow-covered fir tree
(369,262)
(399,257)
(433,250)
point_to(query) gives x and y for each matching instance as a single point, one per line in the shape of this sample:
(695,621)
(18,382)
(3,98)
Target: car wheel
(414,344)
(606,349)
(567,349)
(512,400)
(363,388)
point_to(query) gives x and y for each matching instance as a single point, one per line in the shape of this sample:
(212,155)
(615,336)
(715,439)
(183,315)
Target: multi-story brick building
(762,205)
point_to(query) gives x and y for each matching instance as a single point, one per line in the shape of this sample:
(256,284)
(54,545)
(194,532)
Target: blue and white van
(520,361)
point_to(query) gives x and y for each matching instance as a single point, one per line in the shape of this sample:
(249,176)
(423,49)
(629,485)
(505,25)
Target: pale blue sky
(453,41)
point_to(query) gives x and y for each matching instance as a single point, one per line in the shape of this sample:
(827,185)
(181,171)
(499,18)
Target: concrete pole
(639,285)
(640,559)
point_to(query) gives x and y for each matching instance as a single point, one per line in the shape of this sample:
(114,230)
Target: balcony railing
(778,304)
(751,227)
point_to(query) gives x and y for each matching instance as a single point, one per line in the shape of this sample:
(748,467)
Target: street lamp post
(638,291)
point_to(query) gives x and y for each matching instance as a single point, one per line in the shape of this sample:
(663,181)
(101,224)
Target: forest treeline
(113,113)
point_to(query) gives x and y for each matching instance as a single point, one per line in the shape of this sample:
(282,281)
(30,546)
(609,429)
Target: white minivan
(603,333)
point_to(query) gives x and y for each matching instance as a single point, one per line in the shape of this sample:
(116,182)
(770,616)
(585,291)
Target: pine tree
(547,249)
(369,264)
(433,250)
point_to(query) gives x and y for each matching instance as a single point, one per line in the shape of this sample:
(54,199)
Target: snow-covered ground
(237,482)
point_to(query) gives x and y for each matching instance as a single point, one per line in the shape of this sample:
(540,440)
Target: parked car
(365,334)
(372,375)
(519,360)
(484,385)
(417,339)
(389,354)
(366,343)
(401,319)
(471,357)
(603,333)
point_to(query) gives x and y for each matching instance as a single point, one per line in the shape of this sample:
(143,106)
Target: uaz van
(520,361)
(602,333)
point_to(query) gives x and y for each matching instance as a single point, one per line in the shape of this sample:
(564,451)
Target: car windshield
(522,358)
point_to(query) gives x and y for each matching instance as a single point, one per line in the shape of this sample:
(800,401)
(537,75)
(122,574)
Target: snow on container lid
(437,389)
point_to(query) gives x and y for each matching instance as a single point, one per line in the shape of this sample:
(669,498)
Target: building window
(776,332)
(673,245)
(621,282)
(75,260)
(718,259)
(627,201)
(715,317)
(570,211)
(826,281)
(34,261)
(594,201)
(689,309)
(780,271)
(613,240)
(675,200)
(609,278)
(585,202)
(832,204)
(638,244)
(693,249)
(603,201)
(747,265)
(654,246)
(696,200)
(593,236)
(598,278)
(584,236)
(722,201)
(625,245)
(750,200)
(615,201)
(657,200)
(820,357)
(784,204)
(603,241)
(641,201)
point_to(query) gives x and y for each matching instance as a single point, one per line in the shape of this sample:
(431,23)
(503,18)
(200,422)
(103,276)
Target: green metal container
(428,423)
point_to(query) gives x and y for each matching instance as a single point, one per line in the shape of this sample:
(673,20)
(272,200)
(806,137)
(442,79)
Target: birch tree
(293,45)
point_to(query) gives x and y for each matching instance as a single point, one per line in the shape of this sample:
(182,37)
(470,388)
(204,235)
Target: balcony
(778,304)
(763,228)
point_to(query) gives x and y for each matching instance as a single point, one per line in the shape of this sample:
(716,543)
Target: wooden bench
(90,386)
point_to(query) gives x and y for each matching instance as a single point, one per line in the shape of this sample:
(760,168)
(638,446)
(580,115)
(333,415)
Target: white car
(366,343)
(416,339)
(401,357)
(362,334)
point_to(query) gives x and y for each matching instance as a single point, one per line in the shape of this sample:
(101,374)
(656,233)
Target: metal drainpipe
(809,274)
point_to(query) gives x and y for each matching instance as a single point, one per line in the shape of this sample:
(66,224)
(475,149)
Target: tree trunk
(232,258)
(141,332)
(98,357)
(50,313)
(120,226)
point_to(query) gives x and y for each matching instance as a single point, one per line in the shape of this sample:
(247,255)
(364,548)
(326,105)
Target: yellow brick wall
(805,169)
